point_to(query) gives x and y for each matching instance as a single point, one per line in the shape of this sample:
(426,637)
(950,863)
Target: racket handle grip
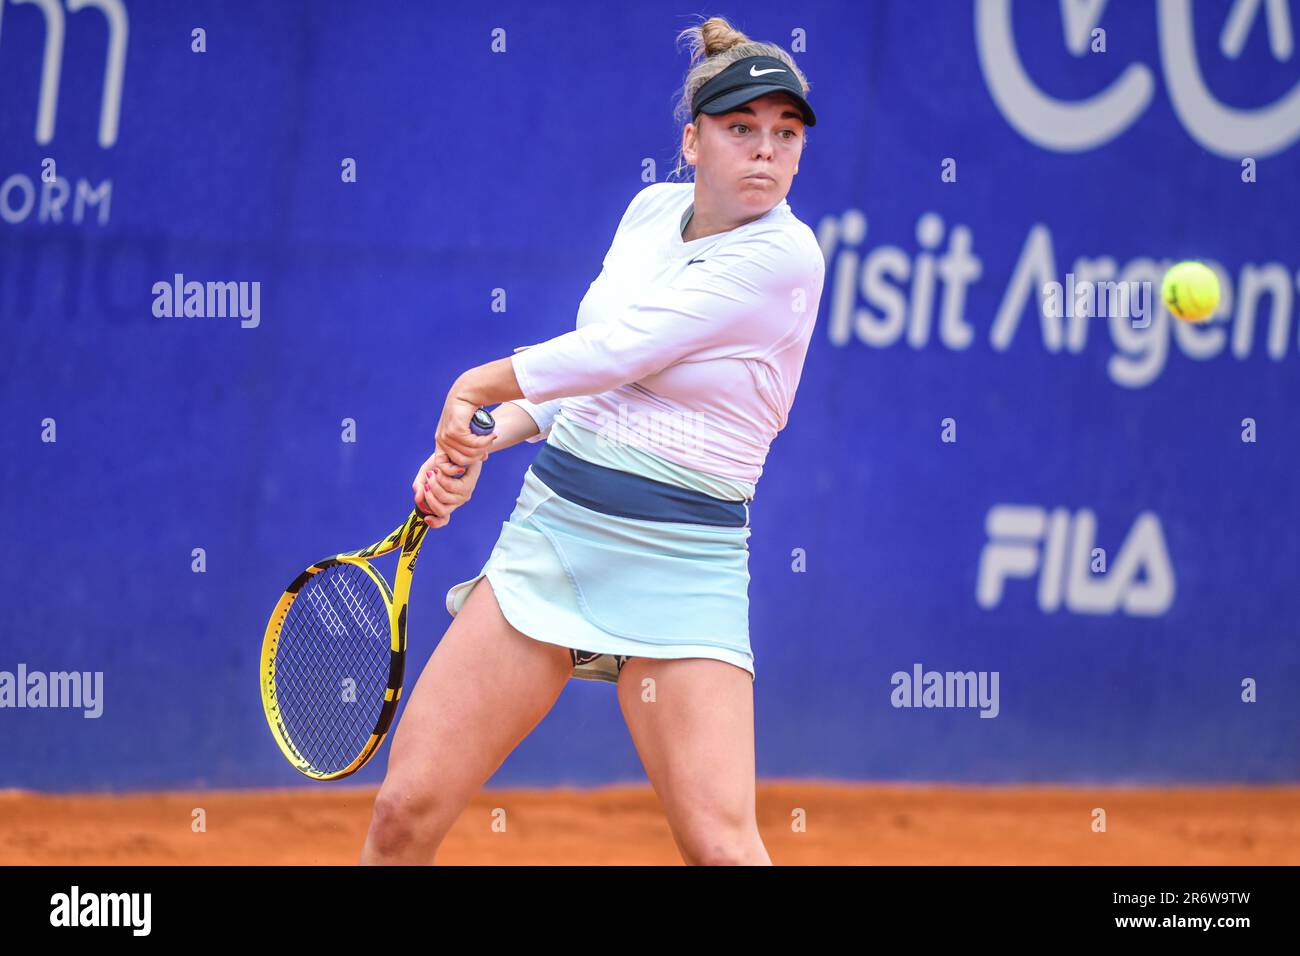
(481,424)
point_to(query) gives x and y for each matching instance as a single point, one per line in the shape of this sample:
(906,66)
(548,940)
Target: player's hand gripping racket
(334,652)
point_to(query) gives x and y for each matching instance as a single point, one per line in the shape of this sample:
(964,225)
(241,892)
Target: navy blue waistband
(625,495)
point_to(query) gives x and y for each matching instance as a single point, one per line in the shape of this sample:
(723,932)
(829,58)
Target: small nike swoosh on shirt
(693,261)
(756,72)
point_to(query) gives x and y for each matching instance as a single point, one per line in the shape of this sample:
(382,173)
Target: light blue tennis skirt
(618,587)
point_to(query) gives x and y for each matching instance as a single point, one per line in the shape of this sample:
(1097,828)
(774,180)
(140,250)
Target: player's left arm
(743,301)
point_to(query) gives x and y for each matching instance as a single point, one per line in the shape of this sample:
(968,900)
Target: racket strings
(332,665)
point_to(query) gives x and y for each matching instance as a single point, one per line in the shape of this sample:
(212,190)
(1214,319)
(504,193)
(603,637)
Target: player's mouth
(760,177)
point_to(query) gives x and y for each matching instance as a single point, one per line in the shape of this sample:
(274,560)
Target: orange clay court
(846,824)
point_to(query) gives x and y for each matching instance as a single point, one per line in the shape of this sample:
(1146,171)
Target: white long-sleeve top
(691,351)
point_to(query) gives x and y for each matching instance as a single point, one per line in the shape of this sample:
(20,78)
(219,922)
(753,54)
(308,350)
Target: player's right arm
(515,424)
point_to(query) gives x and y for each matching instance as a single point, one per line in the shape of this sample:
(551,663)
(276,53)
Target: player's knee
(404,819)
(724,844)
(721,853)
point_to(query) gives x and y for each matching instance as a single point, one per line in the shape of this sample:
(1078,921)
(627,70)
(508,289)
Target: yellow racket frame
(408,538)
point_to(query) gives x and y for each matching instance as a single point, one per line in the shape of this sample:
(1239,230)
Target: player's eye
(739,126)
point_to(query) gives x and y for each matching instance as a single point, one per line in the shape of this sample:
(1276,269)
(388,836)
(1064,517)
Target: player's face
(748,157)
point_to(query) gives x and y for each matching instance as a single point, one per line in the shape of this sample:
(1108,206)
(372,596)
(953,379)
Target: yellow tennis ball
(1191,291)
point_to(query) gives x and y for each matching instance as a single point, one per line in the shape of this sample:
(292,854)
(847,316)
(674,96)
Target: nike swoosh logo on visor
(754,71)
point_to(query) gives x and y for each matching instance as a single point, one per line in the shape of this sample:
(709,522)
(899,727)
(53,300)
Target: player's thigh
(694,731)
(486,686)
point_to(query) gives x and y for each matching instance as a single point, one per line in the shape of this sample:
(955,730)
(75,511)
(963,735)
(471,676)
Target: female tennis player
(626,556)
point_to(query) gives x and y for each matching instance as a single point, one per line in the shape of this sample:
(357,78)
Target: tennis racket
(334,652)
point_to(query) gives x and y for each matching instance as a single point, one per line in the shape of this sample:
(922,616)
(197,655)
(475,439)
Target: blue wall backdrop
(480,170)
